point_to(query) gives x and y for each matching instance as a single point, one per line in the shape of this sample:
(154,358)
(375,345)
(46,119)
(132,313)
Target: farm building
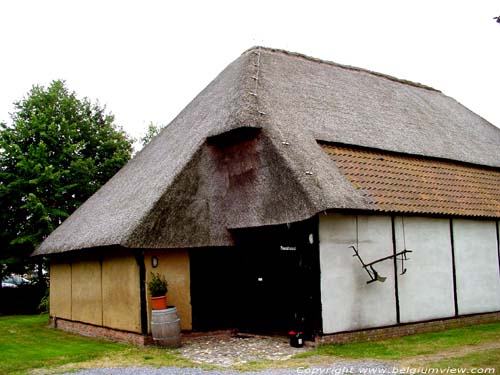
(293,193)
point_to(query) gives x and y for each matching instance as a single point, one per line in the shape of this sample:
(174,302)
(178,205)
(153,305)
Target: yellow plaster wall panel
(86,301)
(174,265)
(121,294)
(60,290)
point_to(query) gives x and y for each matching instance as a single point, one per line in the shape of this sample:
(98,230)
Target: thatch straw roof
(244,153)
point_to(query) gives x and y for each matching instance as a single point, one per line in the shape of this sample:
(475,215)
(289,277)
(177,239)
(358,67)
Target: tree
(57,152)
(152,131)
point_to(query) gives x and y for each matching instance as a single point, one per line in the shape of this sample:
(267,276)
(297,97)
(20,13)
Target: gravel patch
(226,351)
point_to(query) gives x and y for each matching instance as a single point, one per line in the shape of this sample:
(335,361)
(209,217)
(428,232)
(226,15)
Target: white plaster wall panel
(425,291)
(476,265)
(348,302)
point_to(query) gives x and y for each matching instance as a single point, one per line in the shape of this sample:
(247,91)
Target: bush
(157,286)
(44,305)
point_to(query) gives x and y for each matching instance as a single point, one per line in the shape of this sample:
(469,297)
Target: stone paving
(229,350)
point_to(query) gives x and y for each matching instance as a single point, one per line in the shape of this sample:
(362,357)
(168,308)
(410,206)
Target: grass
(482,359)
(27,346)
(411,346)
(26,343)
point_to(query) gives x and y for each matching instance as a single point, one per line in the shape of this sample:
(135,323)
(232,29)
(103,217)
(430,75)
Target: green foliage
(57,152)
(44,305)
(157,286)
(152,131)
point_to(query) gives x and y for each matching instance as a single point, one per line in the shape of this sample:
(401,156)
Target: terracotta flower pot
(159,303)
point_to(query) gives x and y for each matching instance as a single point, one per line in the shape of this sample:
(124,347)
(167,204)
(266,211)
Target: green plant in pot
(158,288)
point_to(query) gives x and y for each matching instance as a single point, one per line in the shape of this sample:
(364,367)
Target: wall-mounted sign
(288,248)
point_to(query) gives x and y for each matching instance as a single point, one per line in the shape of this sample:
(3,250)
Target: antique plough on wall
(372,273)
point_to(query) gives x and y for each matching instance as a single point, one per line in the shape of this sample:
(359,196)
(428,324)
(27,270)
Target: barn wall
(476,264)
(174,265)
(451,257)
(60,290)
(99,290)
(349,303)
(86,296)
(121,293)
(426,288)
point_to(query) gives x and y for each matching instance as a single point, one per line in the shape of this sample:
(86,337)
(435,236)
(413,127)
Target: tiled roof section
(397,183)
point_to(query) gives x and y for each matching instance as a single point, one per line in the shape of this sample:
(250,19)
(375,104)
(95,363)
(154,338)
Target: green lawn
(27,343)
(450,344)
(481,359)
(415,345)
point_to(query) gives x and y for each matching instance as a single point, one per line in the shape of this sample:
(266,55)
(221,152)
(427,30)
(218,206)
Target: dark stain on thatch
(236,158)
(236,180)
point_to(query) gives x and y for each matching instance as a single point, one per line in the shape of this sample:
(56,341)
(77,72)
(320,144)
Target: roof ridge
(338,65)
(256,76)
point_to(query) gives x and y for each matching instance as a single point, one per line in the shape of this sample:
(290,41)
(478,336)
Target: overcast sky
(146,60)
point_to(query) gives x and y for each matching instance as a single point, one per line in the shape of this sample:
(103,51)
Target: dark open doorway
(269,282)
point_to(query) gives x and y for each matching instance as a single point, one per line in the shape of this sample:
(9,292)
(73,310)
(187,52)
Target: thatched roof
(244,153)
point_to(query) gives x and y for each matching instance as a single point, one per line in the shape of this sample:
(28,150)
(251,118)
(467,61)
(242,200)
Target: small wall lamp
(154,261)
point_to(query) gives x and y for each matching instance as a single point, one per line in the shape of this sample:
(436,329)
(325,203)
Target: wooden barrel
(166,327)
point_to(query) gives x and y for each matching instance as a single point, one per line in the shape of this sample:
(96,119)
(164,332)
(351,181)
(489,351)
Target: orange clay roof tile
(399,183)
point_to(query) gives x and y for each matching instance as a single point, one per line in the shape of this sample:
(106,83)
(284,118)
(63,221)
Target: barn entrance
(268,283)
